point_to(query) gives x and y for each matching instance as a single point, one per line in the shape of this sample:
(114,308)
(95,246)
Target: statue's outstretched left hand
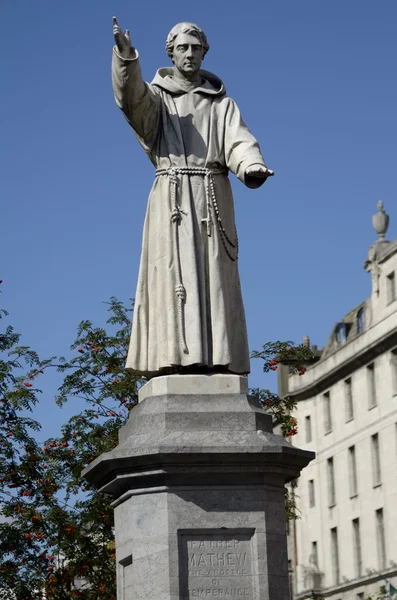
(259,171)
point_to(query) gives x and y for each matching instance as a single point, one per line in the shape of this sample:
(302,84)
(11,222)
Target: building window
(335,556)
(349,400)
(331,482)
(308,429)
(352,472)
(360,320)
(357,547)
(341,333)
(376,466)
(371,386)
(327,412)
(315,553)
(393,364)
(391,288)
(312,497)
(380,539)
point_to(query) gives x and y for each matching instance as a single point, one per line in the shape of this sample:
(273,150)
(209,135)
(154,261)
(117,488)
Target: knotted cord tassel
(176,218)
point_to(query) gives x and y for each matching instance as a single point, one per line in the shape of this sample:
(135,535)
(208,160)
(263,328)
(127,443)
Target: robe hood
(211,85)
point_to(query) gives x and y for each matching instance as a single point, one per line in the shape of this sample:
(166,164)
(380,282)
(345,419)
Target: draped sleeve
(139,101)
(241,148)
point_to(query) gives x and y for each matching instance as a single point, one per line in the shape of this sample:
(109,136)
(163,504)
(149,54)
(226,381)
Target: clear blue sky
(316,83)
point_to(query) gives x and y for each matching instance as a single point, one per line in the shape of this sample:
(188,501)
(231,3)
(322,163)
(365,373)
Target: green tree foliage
(274,354)
(383,594)
(57,534)
(58,531)
(23,484)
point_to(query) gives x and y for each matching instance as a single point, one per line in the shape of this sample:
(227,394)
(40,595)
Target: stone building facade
(344,546)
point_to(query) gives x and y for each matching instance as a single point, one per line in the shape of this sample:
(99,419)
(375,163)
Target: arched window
(341,333)
(360,320)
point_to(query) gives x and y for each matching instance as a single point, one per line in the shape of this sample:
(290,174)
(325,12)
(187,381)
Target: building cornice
(388,252)
(348,585)
(343,370)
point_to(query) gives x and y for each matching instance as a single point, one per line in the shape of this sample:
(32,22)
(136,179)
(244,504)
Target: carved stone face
(187,55)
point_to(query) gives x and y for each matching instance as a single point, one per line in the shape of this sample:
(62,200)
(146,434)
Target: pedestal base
(198,487)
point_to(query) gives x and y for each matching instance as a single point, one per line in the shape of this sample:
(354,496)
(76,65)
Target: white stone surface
(188,306)
(193,385)
(316,522)
(203,468)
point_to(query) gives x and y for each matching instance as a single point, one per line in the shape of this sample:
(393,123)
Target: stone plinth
(198,488)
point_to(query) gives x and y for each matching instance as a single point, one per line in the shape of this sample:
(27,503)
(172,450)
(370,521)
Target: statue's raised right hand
(123,40)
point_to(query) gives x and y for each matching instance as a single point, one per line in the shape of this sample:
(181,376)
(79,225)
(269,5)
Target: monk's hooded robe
(188,305)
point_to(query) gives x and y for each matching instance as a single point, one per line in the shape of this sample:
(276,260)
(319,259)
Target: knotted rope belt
(176,218)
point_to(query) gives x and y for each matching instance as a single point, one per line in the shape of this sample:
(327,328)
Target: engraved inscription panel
(217,564)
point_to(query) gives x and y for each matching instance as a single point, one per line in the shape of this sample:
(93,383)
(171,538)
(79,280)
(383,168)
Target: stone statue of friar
(188,315)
